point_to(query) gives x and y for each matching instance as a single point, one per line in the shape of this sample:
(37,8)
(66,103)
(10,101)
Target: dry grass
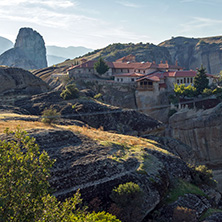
(132,142)
(26,125)
(135,144)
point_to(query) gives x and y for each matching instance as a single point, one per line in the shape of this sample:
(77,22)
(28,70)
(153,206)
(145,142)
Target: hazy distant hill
(5,44)
(59,54)
(52,59)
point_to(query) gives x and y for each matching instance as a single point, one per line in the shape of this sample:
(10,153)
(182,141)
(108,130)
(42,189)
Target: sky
(98,23)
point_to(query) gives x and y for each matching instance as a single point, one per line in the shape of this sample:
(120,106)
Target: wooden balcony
(145,88)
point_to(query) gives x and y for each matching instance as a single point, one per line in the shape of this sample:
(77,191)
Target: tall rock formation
(192,52)
(29,51)
(202,131)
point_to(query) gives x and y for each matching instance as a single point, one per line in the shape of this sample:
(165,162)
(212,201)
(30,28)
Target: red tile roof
(128,65)
(129,75)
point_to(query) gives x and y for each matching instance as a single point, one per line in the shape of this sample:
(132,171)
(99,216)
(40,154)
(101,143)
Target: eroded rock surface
(202,131)
(19,81)
(29,51)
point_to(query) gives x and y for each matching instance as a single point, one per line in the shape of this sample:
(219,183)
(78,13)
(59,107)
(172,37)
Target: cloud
(129,4)
(206,2)
(198,23)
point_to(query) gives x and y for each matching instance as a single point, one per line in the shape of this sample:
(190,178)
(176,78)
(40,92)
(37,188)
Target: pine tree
(201,81)
(100,66)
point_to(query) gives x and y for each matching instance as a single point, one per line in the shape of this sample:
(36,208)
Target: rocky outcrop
(201,130)
(192,52)
(18,81)
(29,51)
(94,113)
(88,165)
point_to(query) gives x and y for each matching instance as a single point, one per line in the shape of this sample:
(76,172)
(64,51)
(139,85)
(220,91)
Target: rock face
(29,51)
(202,131)
(192,52)
(19,81)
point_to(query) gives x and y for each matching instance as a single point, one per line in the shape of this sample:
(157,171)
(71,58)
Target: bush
(207,92)
(50,115)
(182,90)
(70,92)
(201,174)
(126,193)
(129,198)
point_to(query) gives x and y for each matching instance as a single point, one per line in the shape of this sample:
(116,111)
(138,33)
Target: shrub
(50,115)
(207,92)
(126,194)
(129,198)
(70,92)
(201,174)
(182,90)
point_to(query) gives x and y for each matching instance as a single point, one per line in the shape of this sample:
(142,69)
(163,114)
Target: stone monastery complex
(149,77)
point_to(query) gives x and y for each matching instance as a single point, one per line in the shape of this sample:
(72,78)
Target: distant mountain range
(55,54)
(5,44)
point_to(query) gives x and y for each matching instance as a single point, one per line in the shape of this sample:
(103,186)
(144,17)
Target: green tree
(201,81)
(24,176)
(24,195)
(100,66)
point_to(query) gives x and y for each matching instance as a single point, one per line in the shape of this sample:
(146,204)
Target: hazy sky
(97,23)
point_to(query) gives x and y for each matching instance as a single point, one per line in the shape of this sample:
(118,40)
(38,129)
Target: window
(117,79)
(188,80)
(145,83)
(132,80)
(128,70)
(144,71)
(141,83)
(121,70)
(121,79)
(178,81)
(184,80)
(150,83)
(191,80)
(181,81)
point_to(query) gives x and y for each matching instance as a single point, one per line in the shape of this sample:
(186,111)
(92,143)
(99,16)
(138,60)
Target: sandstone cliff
(192,52)
(29,51)
(201,130)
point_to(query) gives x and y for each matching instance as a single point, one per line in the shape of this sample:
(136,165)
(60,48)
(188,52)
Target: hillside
(96,161)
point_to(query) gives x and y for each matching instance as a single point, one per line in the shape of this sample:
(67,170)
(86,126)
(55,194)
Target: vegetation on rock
(50,115)
(24,190)
(70,92)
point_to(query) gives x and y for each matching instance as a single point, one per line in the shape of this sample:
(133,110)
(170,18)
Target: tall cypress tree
(100,66)
(201,81)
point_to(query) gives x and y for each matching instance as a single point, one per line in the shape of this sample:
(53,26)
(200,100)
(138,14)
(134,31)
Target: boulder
(19,81)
